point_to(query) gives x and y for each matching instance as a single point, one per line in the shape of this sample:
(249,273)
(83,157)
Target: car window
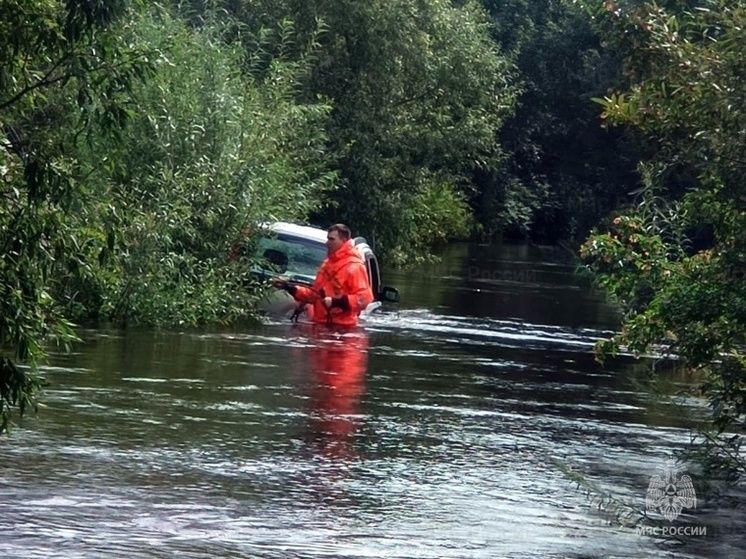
(292,257)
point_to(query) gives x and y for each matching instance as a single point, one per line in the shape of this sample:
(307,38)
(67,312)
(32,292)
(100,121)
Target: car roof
(303,231)
(315,234)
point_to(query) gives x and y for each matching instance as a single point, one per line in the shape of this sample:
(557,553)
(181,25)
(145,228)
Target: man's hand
(339,302)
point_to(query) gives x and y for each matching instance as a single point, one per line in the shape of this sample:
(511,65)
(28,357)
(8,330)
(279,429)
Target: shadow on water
(438,430)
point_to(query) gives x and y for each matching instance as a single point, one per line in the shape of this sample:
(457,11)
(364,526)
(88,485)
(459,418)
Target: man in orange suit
(341,288)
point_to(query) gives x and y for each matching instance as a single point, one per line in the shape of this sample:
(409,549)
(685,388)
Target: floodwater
(449,427)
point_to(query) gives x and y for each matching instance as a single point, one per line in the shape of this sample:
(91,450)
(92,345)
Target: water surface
(442,429)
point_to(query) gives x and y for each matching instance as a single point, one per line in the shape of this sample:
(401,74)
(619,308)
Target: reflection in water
(533,284)
(337,363)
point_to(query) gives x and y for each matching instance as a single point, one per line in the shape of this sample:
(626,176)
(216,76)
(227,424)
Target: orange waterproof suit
(341,275)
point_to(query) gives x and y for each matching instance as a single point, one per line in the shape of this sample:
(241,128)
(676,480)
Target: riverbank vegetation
(674,257)
(139,141)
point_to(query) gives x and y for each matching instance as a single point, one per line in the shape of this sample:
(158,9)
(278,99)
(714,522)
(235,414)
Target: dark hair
(343,231)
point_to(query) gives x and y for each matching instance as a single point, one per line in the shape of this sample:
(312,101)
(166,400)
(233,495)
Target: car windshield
(292,257)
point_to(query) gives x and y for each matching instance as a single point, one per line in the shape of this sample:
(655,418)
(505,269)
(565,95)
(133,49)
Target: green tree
(677,260)
(214,147)
(563,171)
(418,92)
(60,69)
(133,152)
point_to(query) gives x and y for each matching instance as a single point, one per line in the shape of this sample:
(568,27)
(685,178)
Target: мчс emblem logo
(670,494)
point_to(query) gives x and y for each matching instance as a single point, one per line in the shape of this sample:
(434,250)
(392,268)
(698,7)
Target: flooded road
(443,429)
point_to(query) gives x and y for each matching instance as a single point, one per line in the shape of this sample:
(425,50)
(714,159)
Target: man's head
(337,235)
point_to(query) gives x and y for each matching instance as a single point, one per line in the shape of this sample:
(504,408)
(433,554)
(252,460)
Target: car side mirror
(389,294)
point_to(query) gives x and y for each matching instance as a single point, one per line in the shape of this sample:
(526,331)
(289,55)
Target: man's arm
(300,293)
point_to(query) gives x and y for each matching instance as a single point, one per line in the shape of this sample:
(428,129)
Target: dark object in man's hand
(341,303)
(283,284)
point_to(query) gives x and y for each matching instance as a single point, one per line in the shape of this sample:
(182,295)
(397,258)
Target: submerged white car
(295,253)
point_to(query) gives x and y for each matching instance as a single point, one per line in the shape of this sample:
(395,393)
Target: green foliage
(424,95)
(562,171)
(436,214)
(60,68)
(133,152)
(418,91)
(17,388)
(686,92)
(421,89)
(615,509)
(213,150)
